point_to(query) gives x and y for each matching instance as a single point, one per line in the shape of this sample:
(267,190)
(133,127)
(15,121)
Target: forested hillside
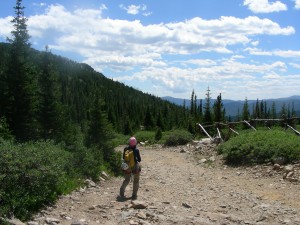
(76,87)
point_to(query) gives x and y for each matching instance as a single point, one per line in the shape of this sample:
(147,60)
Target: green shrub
(114,164)
(251,147)
(177,137)
(31,175)
(145,136)
(5,133)
(158,134)
(119,139)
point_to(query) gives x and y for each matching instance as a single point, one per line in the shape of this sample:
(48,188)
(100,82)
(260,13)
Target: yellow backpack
(129,158)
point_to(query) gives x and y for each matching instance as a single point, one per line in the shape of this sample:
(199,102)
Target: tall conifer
(51,112)
(22,104)
(207,109)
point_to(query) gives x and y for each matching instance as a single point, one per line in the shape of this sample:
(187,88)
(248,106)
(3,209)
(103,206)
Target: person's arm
(138,156)
(124,152)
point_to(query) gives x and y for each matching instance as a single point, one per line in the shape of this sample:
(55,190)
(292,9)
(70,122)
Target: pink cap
(132,141)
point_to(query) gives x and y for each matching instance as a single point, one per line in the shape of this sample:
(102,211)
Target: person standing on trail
(131,167)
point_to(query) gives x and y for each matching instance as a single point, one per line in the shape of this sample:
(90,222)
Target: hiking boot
(122,195)
(134,197)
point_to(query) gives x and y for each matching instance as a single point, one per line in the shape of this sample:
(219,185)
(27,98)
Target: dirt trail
(178,190)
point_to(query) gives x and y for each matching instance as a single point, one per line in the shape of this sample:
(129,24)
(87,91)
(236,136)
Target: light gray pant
(136,184)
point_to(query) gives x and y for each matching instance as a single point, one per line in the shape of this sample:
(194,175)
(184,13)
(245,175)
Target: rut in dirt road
(176,189)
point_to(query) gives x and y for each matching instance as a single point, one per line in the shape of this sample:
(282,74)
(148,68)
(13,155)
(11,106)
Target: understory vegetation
(261,146)
(34,174)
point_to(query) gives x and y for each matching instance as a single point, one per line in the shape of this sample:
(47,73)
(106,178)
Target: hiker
(131,167)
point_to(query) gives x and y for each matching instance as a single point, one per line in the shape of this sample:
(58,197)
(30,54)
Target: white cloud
(287,53)
(40,4)
(264,6)
(173,78)
(256,51)
(297,4)
(121,45)
(5,27)
(255,43)
(280,53)
(135,9)
(84,31)
(103,7)
(295,65)
(200,62)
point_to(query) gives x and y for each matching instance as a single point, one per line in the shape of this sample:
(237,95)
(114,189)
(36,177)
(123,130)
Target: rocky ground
(186,185)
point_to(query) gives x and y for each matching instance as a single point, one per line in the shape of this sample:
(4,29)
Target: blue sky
(239,48)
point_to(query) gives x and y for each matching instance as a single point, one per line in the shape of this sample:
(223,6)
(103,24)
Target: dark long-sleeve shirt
(136,152)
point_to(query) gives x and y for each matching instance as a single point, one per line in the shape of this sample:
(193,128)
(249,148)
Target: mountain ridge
(233,106)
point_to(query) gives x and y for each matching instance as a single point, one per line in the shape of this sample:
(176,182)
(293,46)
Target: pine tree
(293,110)
(159,122)
(148,120)
(51,113)
(238,115)
(283,111)
(246,114)
(262,109)
(257,110)
(200,111)
(192,103)
(207,109)
(100,130)
(218,109)
(273,111)
(22,86)
(195,106)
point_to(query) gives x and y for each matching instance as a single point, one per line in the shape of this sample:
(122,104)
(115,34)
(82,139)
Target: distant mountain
(232,106)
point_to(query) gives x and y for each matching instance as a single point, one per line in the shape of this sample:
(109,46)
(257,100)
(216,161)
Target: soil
(184,185)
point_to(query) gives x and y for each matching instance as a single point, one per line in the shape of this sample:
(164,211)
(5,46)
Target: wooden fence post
(249,125)
(205,131)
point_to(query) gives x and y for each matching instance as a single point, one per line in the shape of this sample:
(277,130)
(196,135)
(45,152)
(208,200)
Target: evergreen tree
(246,114)
(148,121)
(262,109)
(195,107)
(100,130)
(200,109)
(22,86)
(267,113)
(207,109)
(283,111)
(238,115)
(257,110)
(218,109)
(273,111)
(159,122)
(127,127)
(192,103)
(51,113)
(289,111)
(293,110)
(3,79)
